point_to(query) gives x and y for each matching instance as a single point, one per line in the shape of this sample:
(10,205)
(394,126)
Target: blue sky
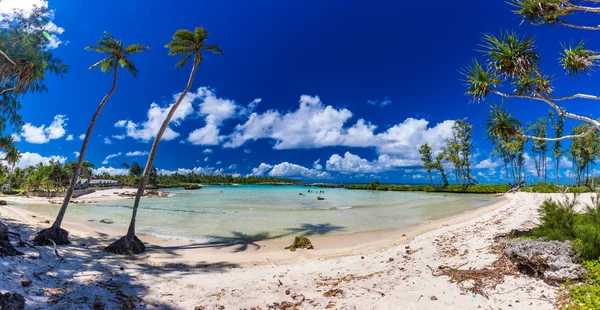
(316,90)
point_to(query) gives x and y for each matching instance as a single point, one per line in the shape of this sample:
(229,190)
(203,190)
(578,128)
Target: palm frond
(125,63)
(183,60)
(105,64)
(214,48)
(135,48)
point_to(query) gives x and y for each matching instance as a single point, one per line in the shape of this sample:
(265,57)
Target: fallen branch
(23,243)
(483,279)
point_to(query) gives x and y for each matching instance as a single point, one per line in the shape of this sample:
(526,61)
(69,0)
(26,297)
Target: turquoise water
(217,212)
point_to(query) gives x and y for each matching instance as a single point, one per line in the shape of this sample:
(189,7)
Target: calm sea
(214,213)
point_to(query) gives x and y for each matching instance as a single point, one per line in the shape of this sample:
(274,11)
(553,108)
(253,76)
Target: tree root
(52,236)
(126,246)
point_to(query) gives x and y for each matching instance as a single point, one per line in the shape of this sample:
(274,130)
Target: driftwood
(481,280)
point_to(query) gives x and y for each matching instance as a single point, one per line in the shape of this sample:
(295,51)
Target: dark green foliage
(557,220)
(586,295)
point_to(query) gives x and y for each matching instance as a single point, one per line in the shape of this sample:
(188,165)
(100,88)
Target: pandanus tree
(191,45)
(117,56)
(511,68)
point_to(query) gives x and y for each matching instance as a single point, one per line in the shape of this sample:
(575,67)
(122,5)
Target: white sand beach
(378,270)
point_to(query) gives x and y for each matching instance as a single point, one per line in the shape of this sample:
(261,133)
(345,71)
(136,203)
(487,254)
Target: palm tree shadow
(241,242)
(312,229)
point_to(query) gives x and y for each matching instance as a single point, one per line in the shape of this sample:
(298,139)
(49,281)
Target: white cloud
(7,14)
(107,141)
(261,169)
(381,103)
(111,171)
(215,111)
(206,159)
(314,125)
(43,134)
(32,159)
(218,163)
(488,164)
(156,115)
(15,137)
(76,154)
(565,162)
(351,163)
(107,158)
(69,138)
(207,151)
(82,136)
(317,164)
(196,170)
(119,137)
(247,151)
(286,169)
(137,153)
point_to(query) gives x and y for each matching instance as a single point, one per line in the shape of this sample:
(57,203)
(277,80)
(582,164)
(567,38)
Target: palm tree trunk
(86,140)
(10,177)
(148,168)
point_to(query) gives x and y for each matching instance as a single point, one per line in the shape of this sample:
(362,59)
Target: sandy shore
(108,194)
(378,270)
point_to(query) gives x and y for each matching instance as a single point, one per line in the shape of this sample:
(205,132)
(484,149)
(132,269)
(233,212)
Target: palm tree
(117,56)
(12,158)
(190,45)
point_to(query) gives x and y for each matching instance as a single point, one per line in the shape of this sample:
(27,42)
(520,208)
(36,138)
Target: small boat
(192,187)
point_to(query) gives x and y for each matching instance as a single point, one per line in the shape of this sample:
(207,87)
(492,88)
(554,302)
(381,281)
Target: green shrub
(586,295)
(557,220)
(489,188)
(579,189)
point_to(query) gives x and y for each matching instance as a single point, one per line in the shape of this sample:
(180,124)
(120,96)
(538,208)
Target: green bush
(586,295)
(489,188)
(557,220)
(579,189)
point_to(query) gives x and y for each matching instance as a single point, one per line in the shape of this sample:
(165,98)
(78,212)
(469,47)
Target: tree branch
(575,7)
(7,89)
(8,58)
(578,26)
(582,135)
(595,124)
(577,96)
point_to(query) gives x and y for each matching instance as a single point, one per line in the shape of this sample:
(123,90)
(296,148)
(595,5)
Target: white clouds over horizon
(43,134)
(31,159)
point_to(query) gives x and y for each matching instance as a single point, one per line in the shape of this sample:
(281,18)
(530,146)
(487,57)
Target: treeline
(457,151)
(474,188)
(452,188)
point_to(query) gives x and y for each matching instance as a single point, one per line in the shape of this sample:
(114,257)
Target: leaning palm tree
(190,45)
(117,56)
